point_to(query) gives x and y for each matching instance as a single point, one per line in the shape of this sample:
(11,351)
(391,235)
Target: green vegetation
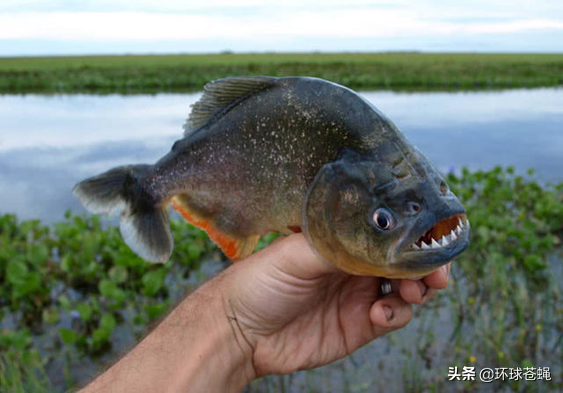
(75,294)
(148,74)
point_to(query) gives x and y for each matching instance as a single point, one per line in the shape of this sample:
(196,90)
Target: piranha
(293,154)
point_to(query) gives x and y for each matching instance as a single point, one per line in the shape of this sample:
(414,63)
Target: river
(48,143)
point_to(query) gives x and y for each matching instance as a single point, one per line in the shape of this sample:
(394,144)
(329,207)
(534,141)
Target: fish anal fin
(234,247)
(245,247)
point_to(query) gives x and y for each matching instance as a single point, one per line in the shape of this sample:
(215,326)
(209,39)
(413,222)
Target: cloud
(255,25)
(138,26)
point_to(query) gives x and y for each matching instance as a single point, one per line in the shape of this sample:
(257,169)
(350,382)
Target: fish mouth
(443,234)
(438,245)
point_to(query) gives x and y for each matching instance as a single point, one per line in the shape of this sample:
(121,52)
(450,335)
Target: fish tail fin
(144,221)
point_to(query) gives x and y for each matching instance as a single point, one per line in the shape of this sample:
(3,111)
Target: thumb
(295,256)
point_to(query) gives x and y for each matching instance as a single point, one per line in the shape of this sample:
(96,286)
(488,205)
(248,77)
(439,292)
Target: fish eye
(383,219)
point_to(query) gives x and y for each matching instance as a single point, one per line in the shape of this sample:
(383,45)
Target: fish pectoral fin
(234,247)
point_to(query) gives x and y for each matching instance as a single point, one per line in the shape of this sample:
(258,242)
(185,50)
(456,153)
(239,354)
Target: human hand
(294,311)
(280,310)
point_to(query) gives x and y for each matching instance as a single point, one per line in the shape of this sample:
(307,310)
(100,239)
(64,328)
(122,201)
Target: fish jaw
(407,260)
(440,243)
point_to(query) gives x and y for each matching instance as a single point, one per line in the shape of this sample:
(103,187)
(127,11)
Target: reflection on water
(48,143)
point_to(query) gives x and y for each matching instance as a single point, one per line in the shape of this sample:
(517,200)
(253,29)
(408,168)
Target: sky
(76,27)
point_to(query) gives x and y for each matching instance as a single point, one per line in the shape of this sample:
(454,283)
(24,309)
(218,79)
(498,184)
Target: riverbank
(133,74)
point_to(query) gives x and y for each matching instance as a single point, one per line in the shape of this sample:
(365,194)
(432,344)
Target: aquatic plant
(73,293)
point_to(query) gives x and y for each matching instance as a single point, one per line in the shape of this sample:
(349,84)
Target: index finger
(439,278)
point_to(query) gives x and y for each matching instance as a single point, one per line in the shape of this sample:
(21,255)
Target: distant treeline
(181,73)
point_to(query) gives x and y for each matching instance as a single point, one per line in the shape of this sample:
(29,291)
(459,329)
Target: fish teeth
(445,241)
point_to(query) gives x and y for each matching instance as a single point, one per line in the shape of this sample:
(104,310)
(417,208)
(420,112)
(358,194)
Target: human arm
(280,310)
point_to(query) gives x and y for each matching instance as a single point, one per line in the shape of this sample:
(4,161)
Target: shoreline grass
(135,74)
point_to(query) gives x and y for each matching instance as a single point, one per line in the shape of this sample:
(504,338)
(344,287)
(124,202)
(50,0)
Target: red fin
(295,228)
(233,247)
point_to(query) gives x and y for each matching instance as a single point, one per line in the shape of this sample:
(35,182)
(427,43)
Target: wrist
(220,358)
(194,349)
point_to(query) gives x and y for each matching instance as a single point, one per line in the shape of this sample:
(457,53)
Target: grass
(20,374)
(75,294)
(177,73)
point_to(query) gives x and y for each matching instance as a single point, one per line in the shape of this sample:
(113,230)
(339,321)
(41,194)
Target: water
(48,143)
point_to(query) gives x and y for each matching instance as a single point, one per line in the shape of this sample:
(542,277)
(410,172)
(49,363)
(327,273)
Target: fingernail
(446,272)
(388,312)
(423,290)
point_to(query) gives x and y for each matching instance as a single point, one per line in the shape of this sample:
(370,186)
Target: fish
(291,154)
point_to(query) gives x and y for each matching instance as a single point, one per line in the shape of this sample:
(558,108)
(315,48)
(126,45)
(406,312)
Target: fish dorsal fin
(221,95)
